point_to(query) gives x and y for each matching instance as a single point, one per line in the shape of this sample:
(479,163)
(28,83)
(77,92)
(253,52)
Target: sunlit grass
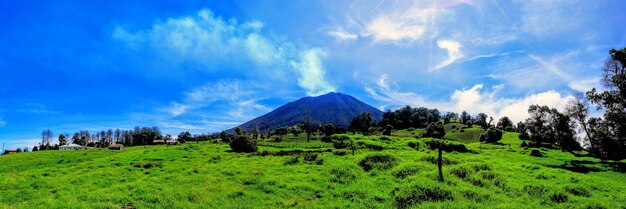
(207,175)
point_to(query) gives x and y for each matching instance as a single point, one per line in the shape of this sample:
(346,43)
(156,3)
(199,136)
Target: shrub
(524,144)
(327,139)
(378,161)
(342,175)
(536,191)
(407,171)
(535,153)
(491,135)
(340,152)
(447,146)
(462,130)
(370,145)
(416,194)
(434,130)
(243,144)
(578,191)
(460,172)
(434,160)
(277,139)
(453,127)
(559,197)
(340,141)
(387,131)
(292,160)
(417,145)
(310,157)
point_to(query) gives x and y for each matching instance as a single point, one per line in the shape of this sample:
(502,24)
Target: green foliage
(208,175)
(343,175)
(378,162)
(243,144)
(406,171)
(412,195)
(491,135)
(434,130)
(448,146)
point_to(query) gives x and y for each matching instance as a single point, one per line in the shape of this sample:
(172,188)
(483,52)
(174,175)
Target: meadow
(384,172)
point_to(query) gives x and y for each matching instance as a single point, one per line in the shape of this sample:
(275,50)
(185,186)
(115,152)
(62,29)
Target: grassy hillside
(208,175)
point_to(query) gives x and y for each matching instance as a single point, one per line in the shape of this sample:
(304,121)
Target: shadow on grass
(586,166)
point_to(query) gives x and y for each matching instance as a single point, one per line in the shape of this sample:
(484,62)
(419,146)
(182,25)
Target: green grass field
(208,175)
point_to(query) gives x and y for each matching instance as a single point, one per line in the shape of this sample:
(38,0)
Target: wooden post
(439,165)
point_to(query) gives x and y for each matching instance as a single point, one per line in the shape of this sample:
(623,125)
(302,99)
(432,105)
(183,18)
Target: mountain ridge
(334,108)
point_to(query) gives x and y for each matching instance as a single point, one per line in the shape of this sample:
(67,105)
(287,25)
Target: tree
(481,120)
(184,136)
(35,149)
(362,123)
(434,130)
(307,125)
(239,131)
(281,132)
(607,135)
(62,140)
(118,134)
(465,117)
(243,143)
(387,131)
(491,135)
(549,126)
(329,130)
(46,135)
(505,124)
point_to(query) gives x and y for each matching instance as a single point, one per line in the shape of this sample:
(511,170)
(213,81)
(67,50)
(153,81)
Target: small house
(6,152)
(172,142)
(72,147)
(158,141)
(116,147)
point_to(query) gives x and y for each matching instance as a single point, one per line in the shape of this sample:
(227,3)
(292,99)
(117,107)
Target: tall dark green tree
(307,125)
(607,135)
(362,123)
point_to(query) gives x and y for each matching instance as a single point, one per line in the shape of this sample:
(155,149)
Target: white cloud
(473,100)
(231,93)
(311,72)
(342,35)
(207,39)
(454,52)
(404,27)
(585,85)
(241,47)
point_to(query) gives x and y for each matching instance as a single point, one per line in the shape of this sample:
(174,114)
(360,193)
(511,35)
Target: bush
(417,145)
(340,152)
(292,160)
(460,172)
(524,144)
(379,161)
(407,171)
(578,191)
(434,160)
(447,146)
(535,153)
(310,157)
(559,197)
(342,175)
(416,194)
(243,144)
(462,130)
(277,139)
(340,141)
(535,191)
(491,135)
(434,130)
(327,139)
(370,145)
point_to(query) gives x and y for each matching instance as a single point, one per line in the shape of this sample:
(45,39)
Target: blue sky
(204,66)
